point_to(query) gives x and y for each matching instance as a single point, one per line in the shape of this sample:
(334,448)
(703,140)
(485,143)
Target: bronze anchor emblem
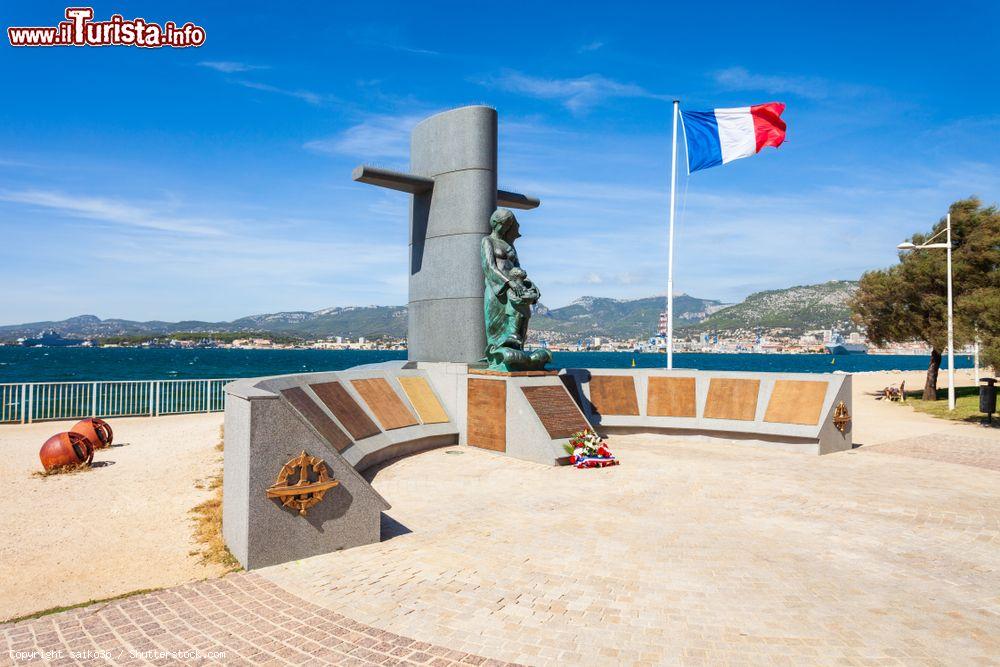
(841,417)
(312,481)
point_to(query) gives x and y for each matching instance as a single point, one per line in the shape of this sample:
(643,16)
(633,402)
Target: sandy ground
(882,421)
(116,528)
(126,525)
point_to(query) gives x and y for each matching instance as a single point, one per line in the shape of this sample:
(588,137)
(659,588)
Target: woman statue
(508,299)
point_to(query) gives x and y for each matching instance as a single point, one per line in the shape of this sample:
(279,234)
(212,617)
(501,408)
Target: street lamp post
(951,313)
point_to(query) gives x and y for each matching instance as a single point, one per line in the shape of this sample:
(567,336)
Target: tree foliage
(908,301)
(978,308)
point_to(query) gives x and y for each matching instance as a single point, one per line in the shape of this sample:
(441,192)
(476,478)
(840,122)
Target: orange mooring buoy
(65,449)
(96,430)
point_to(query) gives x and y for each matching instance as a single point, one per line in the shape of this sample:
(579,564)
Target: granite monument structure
(297,446)
(453,180)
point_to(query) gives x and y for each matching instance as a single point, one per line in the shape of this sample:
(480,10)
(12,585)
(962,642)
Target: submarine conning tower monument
(298,447)
(453,180)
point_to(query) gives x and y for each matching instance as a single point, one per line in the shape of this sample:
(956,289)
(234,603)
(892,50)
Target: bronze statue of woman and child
(508,299)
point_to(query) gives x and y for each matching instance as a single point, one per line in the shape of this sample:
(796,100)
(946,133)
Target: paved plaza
(687,553)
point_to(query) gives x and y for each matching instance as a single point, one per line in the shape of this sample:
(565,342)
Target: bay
(40,364)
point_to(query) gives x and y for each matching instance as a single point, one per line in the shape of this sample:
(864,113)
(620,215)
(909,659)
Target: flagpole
(670,242)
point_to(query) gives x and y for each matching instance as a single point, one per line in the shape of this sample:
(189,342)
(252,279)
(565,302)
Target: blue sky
(214,182)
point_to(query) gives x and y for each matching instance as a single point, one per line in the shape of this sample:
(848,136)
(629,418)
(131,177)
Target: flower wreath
(586,449)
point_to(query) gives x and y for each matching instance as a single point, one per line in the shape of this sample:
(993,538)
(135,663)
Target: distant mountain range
(798,308)
(620,318)
(351,321)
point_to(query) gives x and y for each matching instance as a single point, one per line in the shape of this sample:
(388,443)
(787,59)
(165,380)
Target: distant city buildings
(759,340)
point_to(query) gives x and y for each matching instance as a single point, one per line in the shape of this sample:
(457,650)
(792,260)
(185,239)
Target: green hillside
(799,308)
(618,318)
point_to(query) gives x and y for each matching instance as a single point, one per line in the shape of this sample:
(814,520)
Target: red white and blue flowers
(586,449)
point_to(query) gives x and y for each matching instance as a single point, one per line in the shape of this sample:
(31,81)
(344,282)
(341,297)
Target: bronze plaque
(796,402)
(423,399)
(842,418)
(312,481)
(613,395)
(389,409)
(732,399)
(319,420)
(346,409)
(556,410)
(671,397)
(487,418)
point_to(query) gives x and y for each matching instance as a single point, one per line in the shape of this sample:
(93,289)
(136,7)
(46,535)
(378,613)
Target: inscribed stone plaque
(556,410)
(732,399)
(423,399)
(613,395)
(319,420)
(389,409)
(345,409)
(796,402)
(487,417)
(671,397)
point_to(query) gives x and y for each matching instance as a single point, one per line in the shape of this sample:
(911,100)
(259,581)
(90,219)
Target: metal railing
(47,401)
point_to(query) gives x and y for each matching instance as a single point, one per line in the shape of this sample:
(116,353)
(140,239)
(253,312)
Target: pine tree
(908,301)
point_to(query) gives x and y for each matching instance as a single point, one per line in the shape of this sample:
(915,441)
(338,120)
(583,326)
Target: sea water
(53,364)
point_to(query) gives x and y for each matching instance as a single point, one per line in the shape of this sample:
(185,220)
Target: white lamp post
(951,340)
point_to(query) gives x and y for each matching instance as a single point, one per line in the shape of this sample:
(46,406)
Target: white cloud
(590,46)
(577,94)
(111,211)
(229,66)
(304,95)
(813,88)
(378,136)
(409,49)
(282,258)
(232,67)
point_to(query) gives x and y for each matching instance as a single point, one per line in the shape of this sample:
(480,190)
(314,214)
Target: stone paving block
(215,628)
(704,553)
(736,555)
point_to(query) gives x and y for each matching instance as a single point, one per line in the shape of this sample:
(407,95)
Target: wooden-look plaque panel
(423,399)
(732,399)
(613,395)
(796,402)
(556,410)
(319,420)
(346,409)
(671,397)
(487,414)
(389,409)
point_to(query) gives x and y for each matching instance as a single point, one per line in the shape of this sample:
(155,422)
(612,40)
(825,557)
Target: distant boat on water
(838,345)
(50,338)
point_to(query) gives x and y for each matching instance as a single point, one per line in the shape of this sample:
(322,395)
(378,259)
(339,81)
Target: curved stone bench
(352,420)
(791,411)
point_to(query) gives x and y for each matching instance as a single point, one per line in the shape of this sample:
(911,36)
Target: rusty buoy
(65,449)
(96,430)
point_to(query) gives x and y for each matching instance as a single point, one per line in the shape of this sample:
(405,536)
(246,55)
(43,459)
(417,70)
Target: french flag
(723,135)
